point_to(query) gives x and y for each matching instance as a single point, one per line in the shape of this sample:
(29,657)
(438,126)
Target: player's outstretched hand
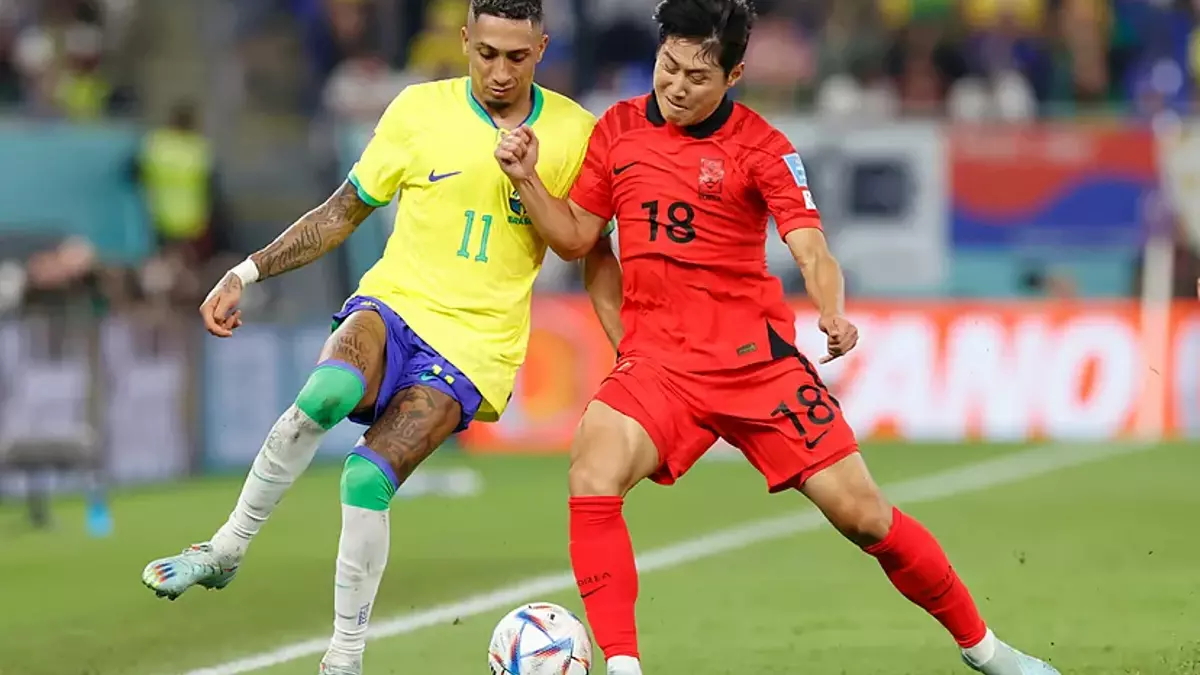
(517,153)
(219,311)
(842,335)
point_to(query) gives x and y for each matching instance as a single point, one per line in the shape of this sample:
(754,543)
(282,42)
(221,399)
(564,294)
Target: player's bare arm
(826,288)
(316,233)
(602,278)
(567,228)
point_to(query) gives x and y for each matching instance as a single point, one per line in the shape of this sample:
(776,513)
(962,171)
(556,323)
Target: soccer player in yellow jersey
(434,334)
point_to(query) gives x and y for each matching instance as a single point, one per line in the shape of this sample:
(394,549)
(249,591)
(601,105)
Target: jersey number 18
(679,216)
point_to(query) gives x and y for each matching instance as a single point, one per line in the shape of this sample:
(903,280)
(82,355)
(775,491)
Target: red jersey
(691,206)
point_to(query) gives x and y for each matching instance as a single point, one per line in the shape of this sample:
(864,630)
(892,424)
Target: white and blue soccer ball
(540,639)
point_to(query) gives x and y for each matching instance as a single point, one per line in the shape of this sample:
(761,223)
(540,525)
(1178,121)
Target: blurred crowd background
(265,94)
(958,149)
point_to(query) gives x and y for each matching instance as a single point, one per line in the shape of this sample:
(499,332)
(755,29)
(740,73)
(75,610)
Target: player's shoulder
(563,106)
(626,113)
(565,112)
(751,128)
(424,99)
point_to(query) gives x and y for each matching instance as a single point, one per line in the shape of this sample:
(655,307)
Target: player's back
(691,207)
(460,263)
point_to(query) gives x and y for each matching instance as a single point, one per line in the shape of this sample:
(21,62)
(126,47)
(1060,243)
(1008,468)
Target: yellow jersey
(460,263)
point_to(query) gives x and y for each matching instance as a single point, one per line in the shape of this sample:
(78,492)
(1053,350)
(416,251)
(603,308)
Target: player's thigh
(783,420)
(361,341)
(637,427)
(416,421)
(610,453)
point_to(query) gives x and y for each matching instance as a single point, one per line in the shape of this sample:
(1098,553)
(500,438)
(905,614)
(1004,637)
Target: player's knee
(365,485)
(330,394)
(590,478)
(865,520)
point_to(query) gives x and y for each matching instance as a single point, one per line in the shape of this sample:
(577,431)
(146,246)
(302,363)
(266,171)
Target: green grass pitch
(1092,566)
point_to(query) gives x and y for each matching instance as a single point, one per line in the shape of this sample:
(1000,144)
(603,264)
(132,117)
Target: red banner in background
(923,371)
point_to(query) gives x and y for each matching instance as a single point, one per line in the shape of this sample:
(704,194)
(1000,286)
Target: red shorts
(778,414)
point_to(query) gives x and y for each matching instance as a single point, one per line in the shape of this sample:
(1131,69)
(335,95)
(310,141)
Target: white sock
(285,455)
(982,652)
(623,665)
(362,557)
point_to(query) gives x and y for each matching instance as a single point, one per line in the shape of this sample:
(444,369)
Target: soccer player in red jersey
(708,349)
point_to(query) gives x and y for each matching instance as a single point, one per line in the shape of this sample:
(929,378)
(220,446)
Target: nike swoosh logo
(435,177)
(428,377)
(810,444)
(618,170)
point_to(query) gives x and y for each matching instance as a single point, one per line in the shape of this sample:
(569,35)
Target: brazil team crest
(517,215)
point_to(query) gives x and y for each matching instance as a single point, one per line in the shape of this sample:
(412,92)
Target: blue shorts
(409,361)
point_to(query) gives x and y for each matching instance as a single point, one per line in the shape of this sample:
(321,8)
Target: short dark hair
(519,10)
(722,25)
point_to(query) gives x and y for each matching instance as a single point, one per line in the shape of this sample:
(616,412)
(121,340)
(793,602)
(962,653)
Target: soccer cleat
(1009,661)
(334,664)
(197,565)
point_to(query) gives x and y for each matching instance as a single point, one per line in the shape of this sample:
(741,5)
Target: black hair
(723,26)
(519,10)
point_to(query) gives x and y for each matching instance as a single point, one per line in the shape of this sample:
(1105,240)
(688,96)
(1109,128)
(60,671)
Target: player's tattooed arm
(602,278)
(316,233)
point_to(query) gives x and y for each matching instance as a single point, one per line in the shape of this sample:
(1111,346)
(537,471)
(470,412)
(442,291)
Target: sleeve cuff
(798,223)
(363,194)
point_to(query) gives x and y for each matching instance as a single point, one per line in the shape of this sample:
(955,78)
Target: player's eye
(487,55)
(698,79)
(517,58)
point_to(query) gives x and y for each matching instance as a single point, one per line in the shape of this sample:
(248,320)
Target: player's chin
(681,117)
(500,101)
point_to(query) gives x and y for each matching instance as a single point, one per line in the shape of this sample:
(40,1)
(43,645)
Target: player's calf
(914,562)
(610,455)
(416,422)
(349,368)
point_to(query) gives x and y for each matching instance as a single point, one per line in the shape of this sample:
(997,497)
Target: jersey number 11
(463,251)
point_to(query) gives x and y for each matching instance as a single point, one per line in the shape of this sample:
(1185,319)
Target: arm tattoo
(316,233)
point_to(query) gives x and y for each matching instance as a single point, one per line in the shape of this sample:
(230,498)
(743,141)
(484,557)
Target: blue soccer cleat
(198,565)
(1009,661)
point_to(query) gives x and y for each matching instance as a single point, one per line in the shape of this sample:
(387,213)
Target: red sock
(602,557)
(918,568)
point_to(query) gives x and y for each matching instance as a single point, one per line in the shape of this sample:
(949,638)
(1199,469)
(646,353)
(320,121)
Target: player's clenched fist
(518,153)
(219,310)
(842,336)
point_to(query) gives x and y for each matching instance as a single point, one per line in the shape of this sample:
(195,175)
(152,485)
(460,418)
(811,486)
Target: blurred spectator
(10,81)
(437,53)
(57,56)
(177,173)
(781,62)
(924,62)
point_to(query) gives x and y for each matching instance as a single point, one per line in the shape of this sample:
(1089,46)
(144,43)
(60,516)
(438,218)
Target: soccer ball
(540,639)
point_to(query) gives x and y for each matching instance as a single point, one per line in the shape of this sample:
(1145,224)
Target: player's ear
(735,75)
(466,42)
(541,51)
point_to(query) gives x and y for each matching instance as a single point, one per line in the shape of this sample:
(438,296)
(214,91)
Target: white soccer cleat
(198,565)
(1009,661)
(335,664)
